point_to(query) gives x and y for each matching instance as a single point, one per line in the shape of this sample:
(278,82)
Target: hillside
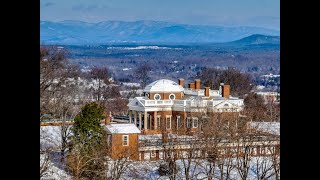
(258,39)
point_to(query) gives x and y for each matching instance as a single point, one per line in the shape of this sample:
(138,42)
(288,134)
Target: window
(153,154)
(157,97)
(172,97)
(189,122)
(195,122)
(168,120)
(226,105)
(158,122)
(178,122)
(125,140)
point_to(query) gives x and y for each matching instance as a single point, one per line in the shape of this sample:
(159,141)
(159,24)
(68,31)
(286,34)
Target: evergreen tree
(86,129)
(88,143)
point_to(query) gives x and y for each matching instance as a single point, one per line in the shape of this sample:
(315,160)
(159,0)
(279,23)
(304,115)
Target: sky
(260,13)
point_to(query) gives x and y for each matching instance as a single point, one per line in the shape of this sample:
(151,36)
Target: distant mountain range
(258,39)
(82,33)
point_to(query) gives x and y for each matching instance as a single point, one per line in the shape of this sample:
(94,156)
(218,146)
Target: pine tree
(88,147)
(86,128)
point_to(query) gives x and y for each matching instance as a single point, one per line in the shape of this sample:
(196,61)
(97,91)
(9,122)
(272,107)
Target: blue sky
(262,13)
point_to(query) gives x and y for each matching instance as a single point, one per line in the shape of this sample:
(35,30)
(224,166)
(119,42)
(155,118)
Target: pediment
(135,102)
(225,104)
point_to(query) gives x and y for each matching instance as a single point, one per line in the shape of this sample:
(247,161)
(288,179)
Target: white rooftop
(163,85)
(269,127)
(122,129)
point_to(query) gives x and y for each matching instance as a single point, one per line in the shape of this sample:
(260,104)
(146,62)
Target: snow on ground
(142,47)
(149,170)
(260,87)
(131,84)
(50,136)
(146,170)
(56,170)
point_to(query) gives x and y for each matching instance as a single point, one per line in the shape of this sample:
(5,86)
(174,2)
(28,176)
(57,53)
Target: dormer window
(172,97)
(157,97)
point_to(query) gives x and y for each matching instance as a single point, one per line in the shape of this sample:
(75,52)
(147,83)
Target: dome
(163,85)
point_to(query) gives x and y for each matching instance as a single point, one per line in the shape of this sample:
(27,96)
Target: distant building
(167,105)
(270,97)
(123,139)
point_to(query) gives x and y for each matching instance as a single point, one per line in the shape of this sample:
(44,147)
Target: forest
(179,61)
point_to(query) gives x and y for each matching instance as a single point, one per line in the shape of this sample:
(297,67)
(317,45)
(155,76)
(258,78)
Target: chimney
(226,91)
(197,82)
(108,119)
(191,85)
(181,82)
(220,88)
(207,91)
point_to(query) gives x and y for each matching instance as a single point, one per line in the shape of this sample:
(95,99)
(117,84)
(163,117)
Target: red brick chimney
(108,119)
(206,91)
(181,82)
(197,82)
(225,91)
(191,85)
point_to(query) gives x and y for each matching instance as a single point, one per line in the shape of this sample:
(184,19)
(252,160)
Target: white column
(130,119)
(140,120)
(135,117)
(145,120)
(155,120)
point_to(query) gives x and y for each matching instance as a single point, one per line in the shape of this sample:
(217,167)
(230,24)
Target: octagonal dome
(163,85)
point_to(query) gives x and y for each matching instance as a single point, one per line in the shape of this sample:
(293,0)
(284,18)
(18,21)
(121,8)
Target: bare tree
(244,142)
(169,166)
(100,75)
(190,156)
(275,156)
(225,164)
(240,83)
(262,167)
(255,107)
(44,162)
(142,74)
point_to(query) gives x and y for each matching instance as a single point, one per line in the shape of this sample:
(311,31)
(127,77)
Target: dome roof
(163,85)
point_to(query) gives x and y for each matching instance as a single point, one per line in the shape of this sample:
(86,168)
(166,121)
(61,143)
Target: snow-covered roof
(122,129)
(150,137)
(163,85)
(269,127)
